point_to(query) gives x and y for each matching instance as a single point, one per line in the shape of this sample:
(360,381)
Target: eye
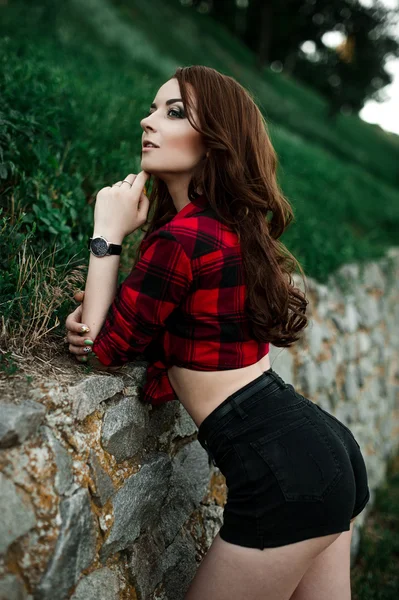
(175,110)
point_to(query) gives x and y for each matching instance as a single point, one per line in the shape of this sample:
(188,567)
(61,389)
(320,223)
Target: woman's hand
(122,208)
(76,335)
(77,338)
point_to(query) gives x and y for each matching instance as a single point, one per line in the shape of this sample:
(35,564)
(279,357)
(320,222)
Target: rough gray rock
(145,565)
(155,555)
(104,487)
(327,374)
(11,588)
(138,504)
(19,421)
(179,566)
(124,428)
(17,516)
(307,376)
(99,585)
(339,322)
(373,277)
(282,362)
(161,515)
(75,548)
(370,309)
(365,341)
(212,517)
(174,566)
(351,315)
(346,277)
(186,488)
(63,460)
(314,333)
(87,395)
(184,424)
(350,387)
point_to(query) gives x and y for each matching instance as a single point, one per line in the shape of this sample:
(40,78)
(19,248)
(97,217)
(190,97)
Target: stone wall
(105,498)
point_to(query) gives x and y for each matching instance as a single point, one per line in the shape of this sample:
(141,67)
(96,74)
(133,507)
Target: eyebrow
(153,105)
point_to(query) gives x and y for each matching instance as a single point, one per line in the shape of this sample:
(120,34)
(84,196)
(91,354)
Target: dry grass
(43,288)
(50,360)
(32,336)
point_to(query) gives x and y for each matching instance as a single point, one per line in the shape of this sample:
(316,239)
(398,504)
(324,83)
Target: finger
(118,183)
(80,351)
(73,319)
(73,322)
(77,340)
(81,359)
(139,182)
(79,295)
(129,179)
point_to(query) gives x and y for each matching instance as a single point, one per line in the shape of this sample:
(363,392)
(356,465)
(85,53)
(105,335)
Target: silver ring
(121,183)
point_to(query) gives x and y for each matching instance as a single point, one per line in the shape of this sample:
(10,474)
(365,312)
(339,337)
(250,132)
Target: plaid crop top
(182,304)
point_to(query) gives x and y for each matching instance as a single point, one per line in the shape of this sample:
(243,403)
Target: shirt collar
(192,207)
(189,209)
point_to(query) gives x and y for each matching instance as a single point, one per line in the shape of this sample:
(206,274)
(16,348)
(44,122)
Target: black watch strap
(112,248)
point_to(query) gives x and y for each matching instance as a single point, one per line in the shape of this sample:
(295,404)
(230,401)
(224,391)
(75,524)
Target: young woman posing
(210,289)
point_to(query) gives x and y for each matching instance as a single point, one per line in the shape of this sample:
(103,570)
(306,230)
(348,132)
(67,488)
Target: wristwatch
(99,246)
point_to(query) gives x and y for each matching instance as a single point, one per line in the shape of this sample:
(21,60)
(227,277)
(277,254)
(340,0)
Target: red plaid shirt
(182,304)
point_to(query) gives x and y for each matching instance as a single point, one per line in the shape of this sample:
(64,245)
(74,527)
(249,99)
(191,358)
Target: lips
(148,144)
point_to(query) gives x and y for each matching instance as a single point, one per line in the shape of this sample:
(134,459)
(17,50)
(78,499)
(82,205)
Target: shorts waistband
(233,402)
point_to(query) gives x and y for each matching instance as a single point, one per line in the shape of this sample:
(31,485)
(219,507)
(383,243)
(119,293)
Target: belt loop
(238,408)
(277,378)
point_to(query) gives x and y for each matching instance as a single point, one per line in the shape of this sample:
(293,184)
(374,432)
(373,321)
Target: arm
(101,284)
(154,288)
(100,290)
(119,210)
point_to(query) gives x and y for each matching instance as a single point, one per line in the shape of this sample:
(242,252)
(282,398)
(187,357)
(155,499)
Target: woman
(209,292)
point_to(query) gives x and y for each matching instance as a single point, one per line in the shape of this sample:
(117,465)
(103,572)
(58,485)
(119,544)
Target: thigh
(328,576)
(233,571)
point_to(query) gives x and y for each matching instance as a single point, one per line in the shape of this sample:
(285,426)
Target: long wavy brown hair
(239,180)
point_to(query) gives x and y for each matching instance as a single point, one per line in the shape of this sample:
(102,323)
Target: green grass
(375,575)
(74,84)
(286,103)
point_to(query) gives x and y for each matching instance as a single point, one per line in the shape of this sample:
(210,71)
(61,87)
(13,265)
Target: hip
(268,428)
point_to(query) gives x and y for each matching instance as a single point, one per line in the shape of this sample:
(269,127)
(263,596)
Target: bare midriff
(201,392)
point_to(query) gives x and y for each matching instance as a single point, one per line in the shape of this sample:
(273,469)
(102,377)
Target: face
(180,146)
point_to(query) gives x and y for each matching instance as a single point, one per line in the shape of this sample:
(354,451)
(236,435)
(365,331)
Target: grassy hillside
(194,38)
(76,78)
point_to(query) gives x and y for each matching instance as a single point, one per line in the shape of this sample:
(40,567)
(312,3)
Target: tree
(347,75)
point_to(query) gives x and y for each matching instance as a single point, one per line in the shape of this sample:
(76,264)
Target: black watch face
(99,247)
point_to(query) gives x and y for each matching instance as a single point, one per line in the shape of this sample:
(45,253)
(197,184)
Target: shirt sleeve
(154,288)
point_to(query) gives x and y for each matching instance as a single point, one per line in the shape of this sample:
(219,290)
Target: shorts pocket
(302,459)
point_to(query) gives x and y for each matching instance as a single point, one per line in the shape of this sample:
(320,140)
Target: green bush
(72,94)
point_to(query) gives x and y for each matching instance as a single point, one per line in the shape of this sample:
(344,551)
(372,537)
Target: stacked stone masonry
(104,498)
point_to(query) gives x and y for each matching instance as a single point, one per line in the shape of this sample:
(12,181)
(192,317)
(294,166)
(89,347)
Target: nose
(146,123)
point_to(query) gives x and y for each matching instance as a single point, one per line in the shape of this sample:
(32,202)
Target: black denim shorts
(293,471)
